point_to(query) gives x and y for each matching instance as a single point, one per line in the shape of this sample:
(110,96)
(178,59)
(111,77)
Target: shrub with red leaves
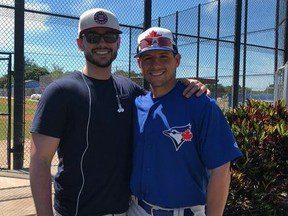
(259,184)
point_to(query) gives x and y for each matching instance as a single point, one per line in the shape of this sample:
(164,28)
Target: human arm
(194,86)
(217,191)
(42,151)
(218,148)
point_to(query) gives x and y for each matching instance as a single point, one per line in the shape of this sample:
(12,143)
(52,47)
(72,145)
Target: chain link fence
(3,111)
(204,34)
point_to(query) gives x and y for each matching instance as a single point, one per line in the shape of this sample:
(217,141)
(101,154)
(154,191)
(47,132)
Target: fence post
(245,52)
(237,50)
(286,34)
(198,40)
(217,49)
(19,64)
(176,26)
(276,35)
(9,84)
(147,24)
(130,51)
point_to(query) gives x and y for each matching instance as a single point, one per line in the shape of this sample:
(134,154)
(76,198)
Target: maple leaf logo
(154,34)
(187,135)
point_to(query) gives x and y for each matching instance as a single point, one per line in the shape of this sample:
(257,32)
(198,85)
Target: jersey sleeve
(51,112)
(217,142)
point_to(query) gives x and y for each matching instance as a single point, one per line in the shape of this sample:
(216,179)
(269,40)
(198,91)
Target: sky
(51,41)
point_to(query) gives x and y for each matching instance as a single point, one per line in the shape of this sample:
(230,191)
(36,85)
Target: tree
(57,71)
(126,74)
(3,81)
(221,91)
(269,89)
(224,90)
(34,71)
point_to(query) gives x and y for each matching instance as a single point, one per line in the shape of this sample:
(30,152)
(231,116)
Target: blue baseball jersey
(176,142)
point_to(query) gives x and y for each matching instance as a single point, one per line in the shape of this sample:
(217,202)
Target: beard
(103,64)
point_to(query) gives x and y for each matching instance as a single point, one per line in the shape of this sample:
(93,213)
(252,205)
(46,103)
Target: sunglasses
(95,38)
(159,41)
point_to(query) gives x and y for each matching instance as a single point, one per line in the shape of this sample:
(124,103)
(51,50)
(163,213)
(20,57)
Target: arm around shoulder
(42,151)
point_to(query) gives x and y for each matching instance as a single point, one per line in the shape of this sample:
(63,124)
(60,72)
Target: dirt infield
(15,196)
(15,193)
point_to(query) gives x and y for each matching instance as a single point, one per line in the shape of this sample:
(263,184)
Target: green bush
(259,184)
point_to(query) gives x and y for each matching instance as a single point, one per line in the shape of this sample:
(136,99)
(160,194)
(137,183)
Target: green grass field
(30,107)
(3,105)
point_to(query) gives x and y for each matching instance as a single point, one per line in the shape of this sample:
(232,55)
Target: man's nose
(102,40)
(156,62)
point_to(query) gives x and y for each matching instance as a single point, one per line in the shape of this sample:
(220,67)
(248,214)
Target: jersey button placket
(147,156)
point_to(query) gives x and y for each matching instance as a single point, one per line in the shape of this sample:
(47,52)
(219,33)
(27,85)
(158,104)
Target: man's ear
(80,44)
(118,42)
(178,59)
(139,62)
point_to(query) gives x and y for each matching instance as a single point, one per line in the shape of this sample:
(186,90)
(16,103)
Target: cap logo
(155,42)
(153,34)
(100,17)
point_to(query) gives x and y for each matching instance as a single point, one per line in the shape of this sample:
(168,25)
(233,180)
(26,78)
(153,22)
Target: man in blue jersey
(182,146)
(86,117)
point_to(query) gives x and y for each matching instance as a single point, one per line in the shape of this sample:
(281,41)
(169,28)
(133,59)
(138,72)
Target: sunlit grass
(30,107)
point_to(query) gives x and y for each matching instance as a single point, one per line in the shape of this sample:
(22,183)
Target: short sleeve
(50,116)
(217,143)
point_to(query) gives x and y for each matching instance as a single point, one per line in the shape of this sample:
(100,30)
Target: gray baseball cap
(98,18)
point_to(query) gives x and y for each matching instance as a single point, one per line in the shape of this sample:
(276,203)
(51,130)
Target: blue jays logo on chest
(179,135)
